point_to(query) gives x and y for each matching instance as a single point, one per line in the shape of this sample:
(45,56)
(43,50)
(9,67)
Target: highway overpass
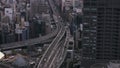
(56,52)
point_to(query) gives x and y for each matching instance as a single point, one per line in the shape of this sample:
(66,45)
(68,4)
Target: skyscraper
(101,29)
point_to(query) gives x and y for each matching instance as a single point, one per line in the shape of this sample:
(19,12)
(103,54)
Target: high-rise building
(38,7)
(101,29)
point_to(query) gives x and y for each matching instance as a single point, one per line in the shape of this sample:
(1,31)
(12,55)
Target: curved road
(29,42)
(48,53)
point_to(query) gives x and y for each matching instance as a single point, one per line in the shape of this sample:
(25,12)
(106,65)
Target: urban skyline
(59,34)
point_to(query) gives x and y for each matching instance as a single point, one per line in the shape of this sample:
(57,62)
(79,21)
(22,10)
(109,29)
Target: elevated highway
(29,42)
(50,49)
(56,52)
(60,54)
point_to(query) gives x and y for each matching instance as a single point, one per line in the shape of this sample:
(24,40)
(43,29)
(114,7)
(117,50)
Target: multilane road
(54,48)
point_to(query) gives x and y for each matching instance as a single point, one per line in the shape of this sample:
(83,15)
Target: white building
(9,13)
(68,4)
(2,55)
(78,5)
(114,64)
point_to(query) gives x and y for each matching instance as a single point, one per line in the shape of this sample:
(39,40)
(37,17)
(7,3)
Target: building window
(94,20)
(94,9)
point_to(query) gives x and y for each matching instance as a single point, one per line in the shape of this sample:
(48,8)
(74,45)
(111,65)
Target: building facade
(101,29)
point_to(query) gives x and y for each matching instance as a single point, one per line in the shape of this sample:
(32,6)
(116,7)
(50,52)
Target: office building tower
(38,7)
(101,29)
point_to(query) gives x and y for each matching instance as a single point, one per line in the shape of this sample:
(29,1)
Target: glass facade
(101,29)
